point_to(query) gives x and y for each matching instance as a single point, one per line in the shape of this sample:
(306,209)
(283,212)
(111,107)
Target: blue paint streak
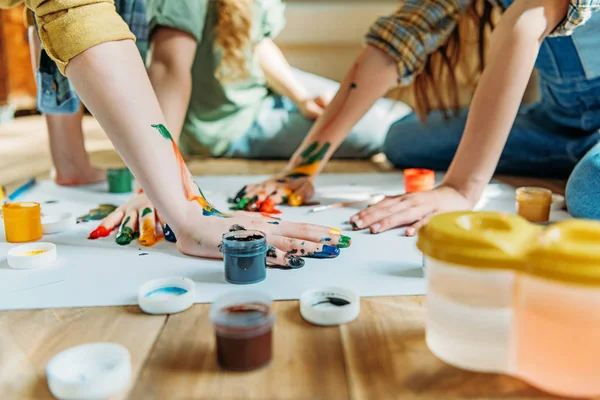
(327,252)
(325,240)
(273,223)
(21,189)
(167,291)
(169,235)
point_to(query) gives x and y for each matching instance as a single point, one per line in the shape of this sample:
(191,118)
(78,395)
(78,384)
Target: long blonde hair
(453,66)
(232,36)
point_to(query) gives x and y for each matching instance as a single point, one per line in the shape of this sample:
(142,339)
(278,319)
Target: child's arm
(281,79)
(92,44)
(513,49)
(173,53)
(398,47)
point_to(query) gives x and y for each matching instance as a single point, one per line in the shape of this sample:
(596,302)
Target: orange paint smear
(148,235)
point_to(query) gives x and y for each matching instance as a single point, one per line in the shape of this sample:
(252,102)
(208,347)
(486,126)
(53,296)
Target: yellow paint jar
(557,324)
(22,222)
(534,203)
(471,259)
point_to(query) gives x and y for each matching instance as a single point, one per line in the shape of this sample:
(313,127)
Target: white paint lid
(167,295)
(22,257)
(558,202)
(89,371)
(56,223)
(319,306)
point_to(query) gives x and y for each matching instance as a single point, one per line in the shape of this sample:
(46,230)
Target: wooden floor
(381,355)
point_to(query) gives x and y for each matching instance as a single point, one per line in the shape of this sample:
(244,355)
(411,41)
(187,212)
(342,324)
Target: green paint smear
(126,236)
(344,242)
(310,149)
(125,222)
(146,211)
(164,132)
(312,154)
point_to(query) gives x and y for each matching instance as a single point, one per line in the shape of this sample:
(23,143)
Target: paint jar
(243,323)
(534,203)
(22,222)
(245,256)
(471,260)
(119,180)
(557,324)
(418,180)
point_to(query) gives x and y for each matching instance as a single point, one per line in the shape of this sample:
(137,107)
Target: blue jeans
(280,128)
(536,146)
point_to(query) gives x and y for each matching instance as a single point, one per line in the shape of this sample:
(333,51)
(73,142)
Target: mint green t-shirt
(218,113)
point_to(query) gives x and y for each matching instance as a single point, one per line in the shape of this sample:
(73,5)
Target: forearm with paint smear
(373,74)
(120,96)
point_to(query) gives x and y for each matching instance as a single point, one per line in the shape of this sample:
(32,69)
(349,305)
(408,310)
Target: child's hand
(288,241)
(135,219)
(276,190)
(313,108)
(412,210)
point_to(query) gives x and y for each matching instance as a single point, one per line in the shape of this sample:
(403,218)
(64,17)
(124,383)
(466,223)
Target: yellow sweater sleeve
(9,3)
(69,27)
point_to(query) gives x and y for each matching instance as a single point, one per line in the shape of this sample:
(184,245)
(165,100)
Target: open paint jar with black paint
(243,323)
(245,256)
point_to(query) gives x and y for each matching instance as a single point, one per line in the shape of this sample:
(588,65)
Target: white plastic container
(557,318)
(471,259)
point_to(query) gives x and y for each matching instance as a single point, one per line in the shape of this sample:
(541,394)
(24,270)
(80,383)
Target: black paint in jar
(245,256)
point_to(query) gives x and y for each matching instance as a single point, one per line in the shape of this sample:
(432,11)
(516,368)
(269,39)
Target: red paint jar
(243,323)
(418,180)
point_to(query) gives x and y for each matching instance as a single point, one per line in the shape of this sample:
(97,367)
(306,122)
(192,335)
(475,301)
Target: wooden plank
(29,338)
(388,358)
(308,362)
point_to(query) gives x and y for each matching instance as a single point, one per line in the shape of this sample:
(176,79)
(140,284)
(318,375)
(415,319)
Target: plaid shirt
(420,27)
(55,94)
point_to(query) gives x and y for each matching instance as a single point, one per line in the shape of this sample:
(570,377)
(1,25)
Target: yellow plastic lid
(568,251)
(478,239)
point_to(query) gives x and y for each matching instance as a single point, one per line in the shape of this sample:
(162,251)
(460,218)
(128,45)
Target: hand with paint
(288,242)
(411,210)
(135,219)
(293,187)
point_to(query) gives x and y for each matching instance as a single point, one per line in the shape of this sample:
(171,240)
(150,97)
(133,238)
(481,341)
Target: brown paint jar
(534,204)
(243,323)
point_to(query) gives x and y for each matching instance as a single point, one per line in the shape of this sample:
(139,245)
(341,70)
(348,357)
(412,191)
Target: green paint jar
(119,180)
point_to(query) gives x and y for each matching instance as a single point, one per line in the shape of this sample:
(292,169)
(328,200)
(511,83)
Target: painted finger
(127,231)
(282,259)
(280,195)
(312,233)
(147,224)
(379,211)
(169,234)
(400,218)
(108,224)
(239,196)
(414,228)
(304,248)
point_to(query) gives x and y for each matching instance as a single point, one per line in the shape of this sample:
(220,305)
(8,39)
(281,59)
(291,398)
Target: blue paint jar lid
(242,314)
(167,295)
(244,243)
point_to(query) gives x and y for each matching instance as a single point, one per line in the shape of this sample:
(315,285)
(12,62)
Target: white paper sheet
(101,273)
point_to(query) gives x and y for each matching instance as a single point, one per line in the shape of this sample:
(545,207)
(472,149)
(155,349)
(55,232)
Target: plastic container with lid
(557,323)
(243,323)
(470,261)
